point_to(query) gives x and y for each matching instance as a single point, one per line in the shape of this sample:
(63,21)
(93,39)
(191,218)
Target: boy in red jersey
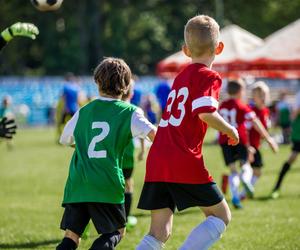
(176,176)
(260,95)
(234,111)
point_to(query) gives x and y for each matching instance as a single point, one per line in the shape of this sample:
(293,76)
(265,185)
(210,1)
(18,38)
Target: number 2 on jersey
(92,153)
(173,120)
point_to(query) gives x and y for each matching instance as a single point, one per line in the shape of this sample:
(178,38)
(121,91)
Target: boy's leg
(160,230)
(128,195)
(74,221)
(285,168)
(208,232)
(234,183)
(108,241)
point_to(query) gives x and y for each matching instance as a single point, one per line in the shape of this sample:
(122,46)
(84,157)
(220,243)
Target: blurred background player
(260,96)
(6,111)
(100,131)
(237,113)
(295,147)
(128,163)
(284,117)
(162,92)
(176,176)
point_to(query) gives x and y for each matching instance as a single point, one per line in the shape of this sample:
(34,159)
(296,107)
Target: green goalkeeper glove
(20,29)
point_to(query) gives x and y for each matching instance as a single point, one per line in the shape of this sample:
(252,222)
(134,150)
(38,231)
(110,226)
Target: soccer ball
(46,5)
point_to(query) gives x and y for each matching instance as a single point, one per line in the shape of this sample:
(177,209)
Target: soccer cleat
(249,189)
(275,194)
(236,203)
(131,222)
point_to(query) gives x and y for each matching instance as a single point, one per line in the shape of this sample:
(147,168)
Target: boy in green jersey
(100,131)
(295,148)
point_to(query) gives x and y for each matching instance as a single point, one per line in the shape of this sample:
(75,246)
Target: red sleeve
(205,91)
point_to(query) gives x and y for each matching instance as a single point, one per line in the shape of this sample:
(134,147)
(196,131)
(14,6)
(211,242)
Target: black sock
(107,241)
(285,168)
(128,201)
(67,244)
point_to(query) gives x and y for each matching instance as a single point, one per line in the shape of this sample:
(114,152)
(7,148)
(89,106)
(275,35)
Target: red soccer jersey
(236,113)
(264,116)
(176,153)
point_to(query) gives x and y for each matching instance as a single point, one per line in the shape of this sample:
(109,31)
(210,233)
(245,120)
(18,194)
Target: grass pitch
(33,174)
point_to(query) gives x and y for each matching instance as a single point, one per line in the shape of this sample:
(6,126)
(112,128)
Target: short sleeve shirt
(237,114)
(176,153)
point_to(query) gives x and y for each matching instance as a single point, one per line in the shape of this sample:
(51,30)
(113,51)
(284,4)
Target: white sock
(254,179)
(150,243)
(247,173)
(205,234)
(234,183)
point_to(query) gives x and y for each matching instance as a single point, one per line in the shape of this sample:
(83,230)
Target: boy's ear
(186,50)
(219,48)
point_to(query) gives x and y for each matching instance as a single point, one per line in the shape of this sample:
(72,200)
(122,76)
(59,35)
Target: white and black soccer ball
(46,5)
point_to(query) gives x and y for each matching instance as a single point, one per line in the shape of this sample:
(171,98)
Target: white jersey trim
(140,126)
(205,101)
(249,116)
(67,136)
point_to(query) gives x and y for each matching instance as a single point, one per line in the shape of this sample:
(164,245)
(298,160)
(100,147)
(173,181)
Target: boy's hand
(273,145)
(7,128)
(251,152)
(20,29)
(233,136)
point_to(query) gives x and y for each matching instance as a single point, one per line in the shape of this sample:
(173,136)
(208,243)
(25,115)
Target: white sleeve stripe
(205,101)
(250,115)
(67,136)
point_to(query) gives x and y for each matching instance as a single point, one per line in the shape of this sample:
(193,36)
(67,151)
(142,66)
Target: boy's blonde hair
(201,35)
(263,89)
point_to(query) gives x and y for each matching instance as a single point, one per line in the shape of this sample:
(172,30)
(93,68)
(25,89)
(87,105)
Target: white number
(229,116)
(173,120)
(92,153)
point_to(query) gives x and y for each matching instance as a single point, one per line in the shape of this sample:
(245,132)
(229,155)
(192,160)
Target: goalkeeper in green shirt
(100,132)
(8,126)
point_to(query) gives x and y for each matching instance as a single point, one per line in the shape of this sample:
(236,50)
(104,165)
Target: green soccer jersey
(128,157)
(101,130)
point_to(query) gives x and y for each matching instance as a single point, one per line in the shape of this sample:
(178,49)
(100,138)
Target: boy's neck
(206,60)
(110,96)
(236,97)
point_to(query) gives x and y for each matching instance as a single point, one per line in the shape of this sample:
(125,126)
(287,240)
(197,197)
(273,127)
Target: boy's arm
(67,136)
(142,142)
(259,127)
(141,127)
(216,121)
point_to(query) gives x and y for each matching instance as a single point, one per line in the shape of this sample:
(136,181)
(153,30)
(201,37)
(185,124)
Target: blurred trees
(78,35)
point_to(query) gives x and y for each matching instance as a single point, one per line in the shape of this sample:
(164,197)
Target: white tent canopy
(283,45)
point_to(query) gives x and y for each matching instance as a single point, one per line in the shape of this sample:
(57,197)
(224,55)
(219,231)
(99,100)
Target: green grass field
(32,178)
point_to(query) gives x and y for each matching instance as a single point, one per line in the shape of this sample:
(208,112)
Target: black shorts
(106,217)
(296,146)
(127,172)
(258,161)
(157,195)
(232,154)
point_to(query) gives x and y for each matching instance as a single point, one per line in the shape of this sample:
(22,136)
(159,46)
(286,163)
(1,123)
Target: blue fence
(41,94)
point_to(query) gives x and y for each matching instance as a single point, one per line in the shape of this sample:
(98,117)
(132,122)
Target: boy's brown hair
(262,89)
(235,86)
(201,35)
(112,76)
